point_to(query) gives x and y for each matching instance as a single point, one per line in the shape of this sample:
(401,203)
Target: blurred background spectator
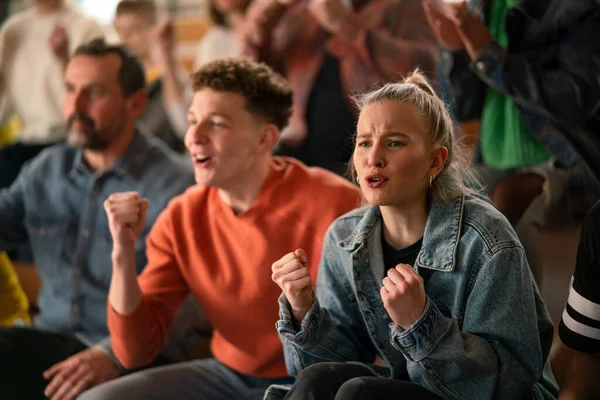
(34,49)
(224,39)
(529,71)
(168,100)
(328,50)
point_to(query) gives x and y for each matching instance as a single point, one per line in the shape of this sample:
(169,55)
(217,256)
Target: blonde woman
(429,277)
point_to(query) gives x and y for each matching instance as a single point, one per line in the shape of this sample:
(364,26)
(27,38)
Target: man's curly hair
(267,93)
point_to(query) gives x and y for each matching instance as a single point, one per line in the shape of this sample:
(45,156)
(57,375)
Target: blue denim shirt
(57,202)
(485,332)
(551,70)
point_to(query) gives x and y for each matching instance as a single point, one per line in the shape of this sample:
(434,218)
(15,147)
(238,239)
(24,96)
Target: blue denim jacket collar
(131,163)
(443,227)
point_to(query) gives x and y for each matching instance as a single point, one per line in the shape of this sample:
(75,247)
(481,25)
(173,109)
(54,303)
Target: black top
(330,122)
(407,255)
(580,323)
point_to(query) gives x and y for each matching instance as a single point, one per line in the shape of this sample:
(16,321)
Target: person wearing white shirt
(34,49)
(224,39)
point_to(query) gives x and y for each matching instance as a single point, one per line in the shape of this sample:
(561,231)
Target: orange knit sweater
(198,244)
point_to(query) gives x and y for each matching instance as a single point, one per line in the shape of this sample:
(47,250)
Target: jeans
(205,379)
(340,381)
(25,353)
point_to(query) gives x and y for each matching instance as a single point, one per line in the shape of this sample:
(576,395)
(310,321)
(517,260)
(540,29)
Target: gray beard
(86,141)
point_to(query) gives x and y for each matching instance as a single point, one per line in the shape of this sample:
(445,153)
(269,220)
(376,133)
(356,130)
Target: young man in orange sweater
(218,241)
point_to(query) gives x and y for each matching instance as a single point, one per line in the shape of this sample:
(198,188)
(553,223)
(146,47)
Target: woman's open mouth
(375,181)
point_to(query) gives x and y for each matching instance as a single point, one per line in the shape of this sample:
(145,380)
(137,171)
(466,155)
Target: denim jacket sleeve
(558,81)
(332,330)
(496,354)
(12,212)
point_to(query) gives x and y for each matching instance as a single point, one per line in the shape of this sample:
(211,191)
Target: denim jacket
(551,70)
(485,332)
(57,204)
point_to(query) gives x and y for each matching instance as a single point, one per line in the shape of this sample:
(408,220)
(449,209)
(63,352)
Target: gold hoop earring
(431,177)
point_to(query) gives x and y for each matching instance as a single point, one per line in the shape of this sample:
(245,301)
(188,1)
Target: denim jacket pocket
(47,239)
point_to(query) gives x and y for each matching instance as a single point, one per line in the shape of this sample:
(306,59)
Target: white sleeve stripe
(583,306)
(580,328)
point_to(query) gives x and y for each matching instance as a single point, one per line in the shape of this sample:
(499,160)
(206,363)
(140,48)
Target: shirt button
(85,233)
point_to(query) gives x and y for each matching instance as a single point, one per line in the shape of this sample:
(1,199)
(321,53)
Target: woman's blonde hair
(456,177)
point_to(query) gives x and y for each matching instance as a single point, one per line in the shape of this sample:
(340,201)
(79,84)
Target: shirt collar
(442,235)
(129,165)
(440,241)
